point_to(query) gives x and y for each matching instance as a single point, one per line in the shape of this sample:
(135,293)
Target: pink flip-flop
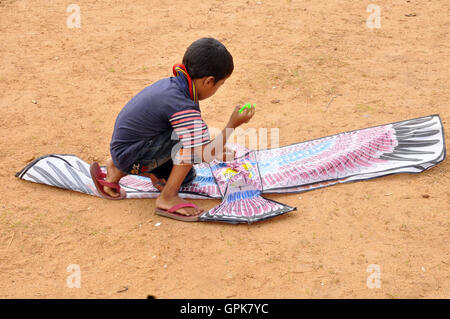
(171,213)
(98,177)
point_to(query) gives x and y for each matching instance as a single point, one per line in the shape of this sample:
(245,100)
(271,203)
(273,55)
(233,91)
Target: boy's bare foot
(165,202)
(113,175)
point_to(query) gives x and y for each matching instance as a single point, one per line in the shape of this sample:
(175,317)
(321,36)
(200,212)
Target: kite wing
(69,172)
(60,170)
(404,147)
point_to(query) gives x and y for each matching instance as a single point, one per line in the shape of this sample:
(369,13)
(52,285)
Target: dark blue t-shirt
(164,105)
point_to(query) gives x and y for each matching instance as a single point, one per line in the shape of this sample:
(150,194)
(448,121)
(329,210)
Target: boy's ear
(210,80)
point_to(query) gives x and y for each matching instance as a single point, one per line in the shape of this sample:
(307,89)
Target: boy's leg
(113,175)
(154,153)
(156,162)
(162,173)
(169,195)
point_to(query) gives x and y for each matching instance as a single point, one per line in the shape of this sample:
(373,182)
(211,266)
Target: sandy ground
(302,53)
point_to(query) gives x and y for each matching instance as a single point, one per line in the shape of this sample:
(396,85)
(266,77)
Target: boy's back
(147,115)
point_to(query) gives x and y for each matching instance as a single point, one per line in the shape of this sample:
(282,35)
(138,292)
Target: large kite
(410,146)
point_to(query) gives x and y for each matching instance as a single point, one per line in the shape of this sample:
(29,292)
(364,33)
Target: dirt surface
(302,53)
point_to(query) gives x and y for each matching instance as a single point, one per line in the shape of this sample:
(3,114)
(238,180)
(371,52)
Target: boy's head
(209,64)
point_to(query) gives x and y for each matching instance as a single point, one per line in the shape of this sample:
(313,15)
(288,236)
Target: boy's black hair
(208,57)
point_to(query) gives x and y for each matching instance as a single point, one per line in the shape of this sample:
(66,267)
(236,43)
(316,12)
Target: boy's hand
(237,119)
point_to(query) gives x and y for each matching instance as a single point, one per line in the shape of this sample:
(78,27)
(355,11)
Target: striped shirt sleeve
(190,128)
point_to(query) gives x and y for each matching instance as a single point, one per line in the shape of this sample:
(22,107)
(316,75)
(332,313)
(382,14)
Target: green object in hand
(248,106)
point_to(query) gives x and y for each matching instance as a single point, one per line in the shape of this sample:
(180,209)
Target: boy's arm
(216,148)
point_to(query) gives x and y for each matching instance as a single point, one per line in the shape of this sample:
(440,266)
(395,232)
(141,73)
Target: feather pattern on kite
(407,146)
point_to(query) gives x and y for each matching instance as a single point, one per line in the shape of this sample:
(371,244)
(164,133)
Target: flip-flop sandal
(98,177)
(171,213)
